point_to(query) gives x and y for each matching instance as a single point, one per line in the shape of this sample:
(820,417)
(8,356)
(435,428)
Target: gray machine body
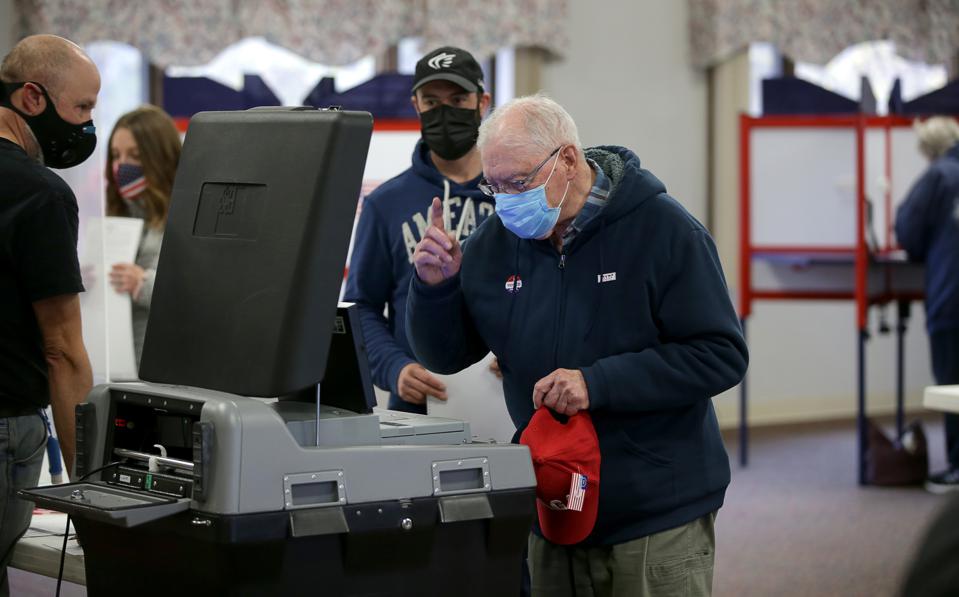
(262,456)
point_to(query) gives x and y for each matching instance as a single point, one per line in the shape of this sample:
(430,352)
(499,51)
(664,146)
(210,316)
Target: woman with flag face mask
(144,151)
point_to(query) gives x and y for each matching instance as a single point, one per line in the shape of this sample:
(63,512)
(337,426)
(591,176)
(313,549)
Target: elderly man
(48,88)
(600,293)
(927,227)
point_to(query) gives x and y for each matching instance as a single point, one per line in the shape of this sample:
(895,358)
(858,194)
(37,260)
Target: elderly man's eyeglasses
(515,186)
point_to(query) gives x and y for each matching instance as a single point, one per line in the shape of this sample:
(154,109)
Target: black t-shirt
(38,260)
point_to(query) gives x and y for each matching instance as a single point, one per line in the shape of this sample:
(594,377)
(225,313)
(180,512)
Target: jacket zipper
(560,309)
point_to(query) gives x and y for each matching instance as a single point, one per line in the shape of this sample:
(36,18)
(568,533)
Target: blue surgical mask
(528,214)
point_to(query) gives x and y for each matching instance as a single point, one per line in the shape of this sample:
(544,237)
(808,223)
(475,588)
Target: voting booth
(818,199)
(250,460)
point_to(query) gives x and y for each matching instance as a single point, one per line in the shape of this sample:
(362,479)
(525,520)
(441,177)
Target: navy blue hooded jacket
(927,227)
(640,306)
(393,220)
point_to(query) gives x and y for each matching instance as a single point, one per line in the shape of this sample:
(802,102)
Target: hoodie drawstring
(602,256)
(447,215)
(602,270)
(512,301)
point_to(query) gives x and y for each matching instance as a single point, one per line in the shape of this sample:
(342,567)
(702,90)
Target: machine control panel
(152,439)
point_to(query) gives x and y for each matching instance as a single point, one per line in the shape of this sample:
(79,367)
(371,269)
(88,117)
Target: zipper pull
(562,260)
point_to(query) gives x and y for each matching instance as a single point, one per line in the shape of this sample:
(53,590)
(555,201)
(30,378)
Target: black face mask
(63,144)
(450,132)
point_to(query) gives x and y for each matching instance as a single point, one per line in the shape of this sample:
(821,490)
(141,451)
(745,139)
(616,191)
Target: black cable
(66,533)
(40,535)
(97,470)
(63,554)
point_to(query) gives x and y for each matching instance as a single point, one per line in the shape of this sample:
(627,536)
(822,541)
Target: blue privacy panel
(386,96)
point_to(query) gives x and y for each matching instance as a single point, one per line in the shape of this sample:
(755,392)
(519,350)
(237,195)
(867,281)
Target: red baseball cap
(564,454)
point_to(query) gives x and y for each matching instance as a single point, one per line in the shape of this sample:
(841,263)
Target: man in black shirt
(48,88)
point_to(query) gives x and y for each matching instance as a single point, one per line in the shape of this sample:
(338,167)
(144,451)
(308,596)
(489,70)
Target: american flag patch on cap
(577,492)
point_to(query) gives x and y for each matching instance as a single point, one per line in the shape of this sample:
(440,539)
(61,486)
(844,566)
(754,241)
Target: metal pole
(861,418)
(743,419)
(861,290)
(317,414)
(902,316)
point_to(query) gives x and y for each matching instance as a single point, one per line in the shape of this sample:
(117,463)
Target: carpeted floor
(796,523)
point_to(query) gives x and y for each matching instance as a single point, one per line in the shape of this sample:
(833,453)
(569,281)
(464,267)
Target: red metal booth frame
(860,253)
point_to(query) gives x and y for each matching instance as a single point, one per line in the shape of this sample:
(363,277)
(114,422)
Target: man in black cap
(450,98)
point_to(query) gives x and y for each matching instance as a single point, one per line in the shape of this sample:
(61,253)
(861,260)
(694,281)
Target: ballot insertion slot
(161,461)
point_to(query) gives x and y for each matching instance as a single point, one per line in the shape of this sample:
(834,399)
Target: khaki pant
(674,562)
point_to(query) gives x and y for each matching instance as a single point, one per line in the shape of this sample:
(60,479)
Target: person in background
(450,99)
(927,227)
(48,89)
(600,294)
(141,165)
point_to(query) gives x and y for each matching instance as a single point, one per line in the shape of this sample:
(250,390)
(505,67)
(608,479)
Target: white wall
(6,27)
(803,363)
(626,79)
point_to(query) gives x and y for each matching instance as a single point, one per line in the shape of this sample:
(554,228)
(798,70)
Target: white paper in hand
(107,314)
(475,395)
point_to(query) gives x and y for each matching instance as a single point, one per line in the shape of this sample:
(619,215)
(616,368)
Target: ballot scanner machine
(251,461)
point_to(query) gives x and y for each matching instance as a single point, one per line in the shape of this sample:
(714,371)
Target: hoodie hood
(631,185)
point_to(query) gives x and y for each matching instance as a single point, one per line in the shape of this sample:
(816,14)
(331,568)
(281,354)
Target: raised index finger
(436,214)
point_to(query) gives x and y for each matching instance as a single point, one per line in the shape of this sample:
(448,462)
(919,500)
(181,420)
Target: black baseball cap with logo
(449,64)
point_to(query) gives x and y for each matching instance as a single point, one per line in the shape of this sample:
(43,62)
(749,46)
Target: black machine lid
(254,248)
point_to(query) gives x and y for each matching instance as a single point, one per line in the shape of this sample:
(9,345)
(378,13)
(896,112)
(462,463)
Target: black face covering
(450,132)
(63,144)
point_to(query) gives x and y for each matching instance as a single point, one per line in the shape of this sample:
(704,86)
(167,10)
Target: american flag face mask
(130,180)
